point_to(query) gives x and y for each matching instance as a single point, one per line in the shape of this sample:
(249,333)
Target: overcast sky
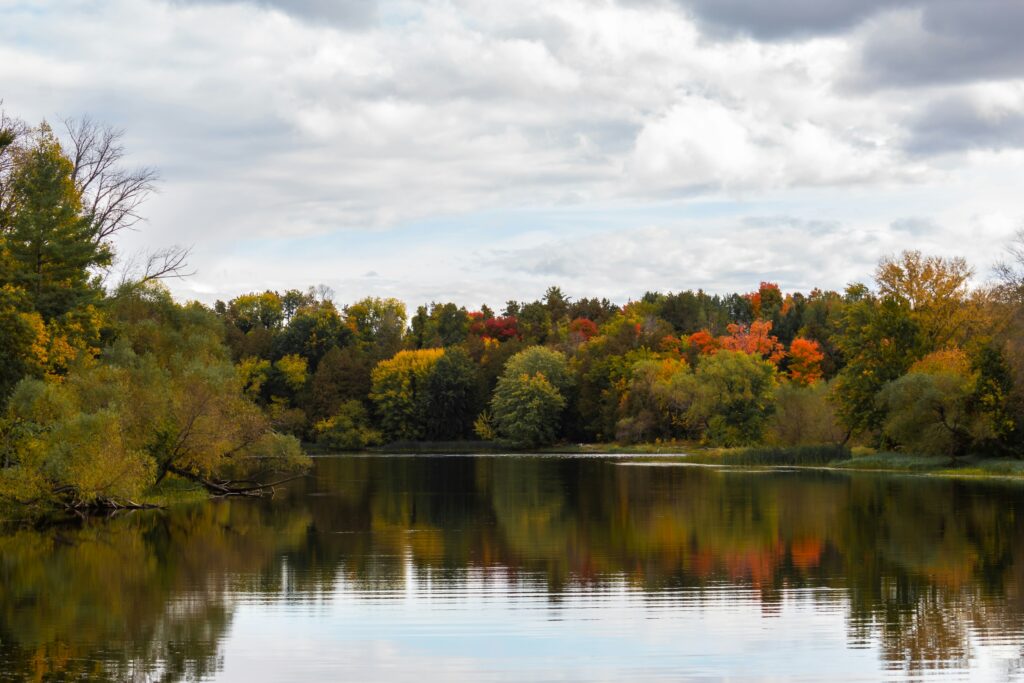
(476,151)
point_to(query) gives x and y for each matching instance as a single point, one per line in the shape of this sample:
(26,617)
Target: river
(514,568)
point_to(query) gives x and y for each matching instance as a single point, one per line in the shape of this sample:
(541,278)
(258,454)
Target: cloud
(339,13)
(424,132)
(784,19)
(944,42)
(989,118)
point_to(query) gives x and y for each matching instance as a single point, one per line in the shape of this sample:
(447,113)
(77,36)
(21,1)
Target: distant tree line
(922,361)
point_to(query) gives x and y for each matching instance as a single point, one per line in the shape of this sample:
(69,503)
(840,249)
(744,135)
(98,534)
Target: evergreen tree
(49,245)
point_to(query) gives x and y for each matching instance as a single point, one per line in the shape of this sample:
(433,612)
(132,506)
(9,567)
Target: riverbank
(858,459)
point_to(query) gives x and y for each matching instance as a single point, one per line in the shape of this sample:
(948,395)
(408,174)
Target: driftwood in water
(233,487)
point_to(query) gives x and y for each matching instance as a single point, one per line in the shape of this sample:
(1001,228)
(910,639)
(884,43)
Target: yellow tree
(399,389)
(937,291)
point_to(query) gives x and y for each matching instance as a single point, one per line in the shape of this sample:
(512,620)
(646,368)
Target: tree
(49,247)
(733,397)
(880,339)
(251,311)
(527,409)
(111,195)
(935,289)
(313,331)
(653,405)
(342,375)
(23,338)
(755,339)
(451,396)
(930,409)
(439,326)
(399,386)
(530,396)
(538,360)
(348,429)
(164,399)
(804,416)
(377,325)
(804,361)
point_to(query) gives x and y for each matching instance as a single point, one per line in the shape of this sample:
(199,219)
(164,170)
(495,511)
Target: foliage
(348,429)
(880,340)
(377,325)
(538,360)
(163,398)
(932,410)
(398,393)
(732,397)
(49,242)
(804,415)
(483,426)
(451,396)
(804,361)
(527,409)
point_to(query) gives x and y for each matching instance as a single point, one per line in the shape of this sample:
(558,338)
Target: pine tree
(50,245)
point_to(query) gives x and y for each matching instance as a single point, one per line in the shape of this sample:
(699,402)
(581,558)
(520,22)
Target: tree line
(108,385)
(921,361)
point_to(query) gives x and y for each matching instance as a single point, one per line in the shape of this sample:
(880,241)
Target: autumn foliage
(805,358)
(500,328)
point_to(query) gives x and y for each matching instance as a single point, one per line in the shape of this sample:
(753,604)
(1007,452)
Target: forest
(109,387)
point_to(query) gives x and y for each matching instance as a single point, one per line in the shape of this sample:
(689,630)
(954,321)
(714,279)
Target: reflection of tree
(138,596)
(924,562)
(925,565)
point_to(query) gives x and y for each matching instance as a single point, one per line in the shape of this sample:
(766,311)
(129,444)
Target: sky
(478,151)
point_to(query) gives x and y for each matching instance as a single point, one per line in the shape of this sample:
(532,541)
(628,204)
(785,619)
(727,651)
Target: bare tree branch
(111,195)
(162,264)
(1011,273)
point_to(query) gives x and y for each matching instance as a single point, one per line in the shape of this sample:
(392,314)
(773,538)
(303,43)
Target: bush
(348,430)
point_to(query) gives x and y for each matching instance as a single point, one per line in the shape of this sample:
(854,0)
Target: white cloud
(289,125)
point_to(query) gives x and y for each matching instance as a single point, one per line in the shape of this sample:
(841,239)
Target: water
(531,568)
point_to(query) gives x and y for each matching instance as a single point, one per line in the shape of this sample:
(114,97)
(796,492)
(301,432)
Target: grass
(774,457)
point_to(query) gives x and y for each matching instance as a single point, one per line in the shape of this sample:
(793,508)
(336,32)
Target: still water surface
(531,568)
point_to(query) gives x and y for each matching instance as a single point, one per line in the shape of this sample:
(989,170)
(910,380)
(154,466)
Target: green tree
(544,361)
(452,396)
(342,375)
(49,245)
(527,409)
(804,416)
(880,340)
(377,325)
(733,397)
(313,331)
(932,410)
(163,398)
(529,399)
(441,325)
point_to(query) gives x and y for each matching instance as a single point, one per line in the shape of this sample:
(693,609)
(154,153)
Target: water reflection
(513,567)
